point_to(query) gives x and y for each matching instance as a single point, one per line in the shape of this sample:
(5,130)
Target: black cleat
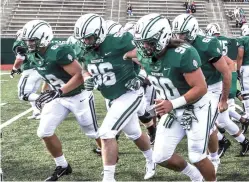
(245,147)
(224,144)
(152,134)
(245,126)
(97,151)
(58,172)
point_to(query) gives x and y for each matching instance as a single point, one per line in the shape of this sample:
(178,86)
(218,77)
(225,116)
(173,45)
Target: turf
(25,158)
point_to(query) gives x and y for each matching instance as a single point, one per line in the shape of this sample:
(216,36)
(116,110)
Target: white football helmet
(71,40)
(201,32)
(90,25)
(186,24)
(152,34)
(130,27)
(245,29)
(113,27)
(37,34)
(19,34)
(212,28)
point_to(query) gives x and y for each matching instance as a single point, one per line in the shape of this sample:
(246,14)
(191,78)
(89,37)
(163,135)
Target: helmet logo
(77,31)
(24,31)
(139,28)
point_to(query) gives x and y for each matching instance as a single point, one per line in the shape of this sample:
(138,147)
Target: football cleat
(150,170)
(58,172)
(224,144)
(245,126)
(97,151)
(245,147)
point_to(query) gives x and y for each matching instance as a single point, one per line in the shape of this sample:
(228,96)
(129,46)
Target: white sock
(61,161)
(33,97)
(240,138)
(220,136)
(214,155)
(192,172)
(234,114)
(109,172)
(148,155)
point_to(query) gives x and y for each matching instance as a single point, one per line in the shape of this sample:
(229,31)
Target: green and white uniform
(244,71)
(167,75)
(209,48)
(78,101)
(30,80)
(111,73)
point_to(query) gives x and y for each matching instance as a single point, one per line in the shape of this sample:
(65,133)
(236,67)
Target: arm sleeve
(126,42)
(190,61)
(65,55)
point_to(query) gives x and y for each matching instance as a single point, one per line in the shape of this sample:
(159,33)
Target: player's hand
(47,97)
(135,83)
(21,50)
(15,71)
(163,106)
(222,106)
(89,83)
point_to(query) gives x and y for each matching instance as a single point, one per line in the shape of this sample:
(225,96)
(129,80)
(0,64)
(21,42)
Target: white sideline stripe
(2,104)
(15,118)
(5,73)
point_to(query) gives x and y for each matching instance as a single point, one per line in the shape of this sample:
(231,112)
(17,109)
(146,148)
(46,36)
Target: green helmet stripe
(84,27)
(152,25)
(148,25)
(111,27)
(185,23)
(31,33)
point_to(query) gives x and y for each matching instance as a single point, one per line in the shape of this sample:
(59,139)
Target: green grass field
(24,156)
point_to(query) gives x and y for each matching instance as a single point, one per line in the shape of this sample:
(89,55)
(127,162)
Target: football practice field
(25,158)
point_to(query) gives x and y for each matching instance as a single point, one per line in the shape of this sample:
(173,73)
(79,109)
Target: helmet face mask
(32,44)
(245,29)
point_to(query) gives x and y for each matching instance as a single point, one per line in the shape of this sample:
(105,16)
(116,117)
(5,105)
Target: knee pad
(196,157)
(107,134)
(231,128)
(90,131)
(146,118)
(161,157)
(42,134)
(134,136)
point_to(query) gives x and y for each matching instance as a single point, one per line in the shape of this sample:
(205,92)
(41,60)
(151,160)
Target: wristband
(176,103)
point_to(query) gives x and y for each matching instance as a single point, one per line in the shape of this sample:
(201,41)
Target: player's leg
(198,137)
(82,106)
(52,115)
(147,118)
(225,122)
(141,139)
(245,87)
(118,115)
(169,134)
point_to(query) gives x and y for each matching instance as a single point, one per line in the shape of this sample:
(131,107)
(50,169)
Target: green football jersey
(233,88)
(49,66)
(244,42)
(229,47)
(26,64)
(107,66)
(208,48)
(167,73)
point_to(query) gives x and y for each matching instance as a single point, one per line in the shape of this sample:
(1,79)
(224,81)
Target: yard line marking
(15,118)
(2,104)
(5,73)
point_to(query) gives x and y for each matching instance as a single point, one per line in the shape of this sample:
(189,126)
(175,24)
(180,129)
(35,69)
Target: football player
(57,65)
(113,27)
(243,65)
(185,109)
(30,80)
(229,51)
(117,81)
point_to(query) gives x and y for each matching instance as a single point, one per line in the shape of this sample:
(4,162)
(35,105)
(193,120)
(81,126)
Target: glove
(89,83)
(135,83)
(188,118)
(21,50)
(47,97)
(15,71)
